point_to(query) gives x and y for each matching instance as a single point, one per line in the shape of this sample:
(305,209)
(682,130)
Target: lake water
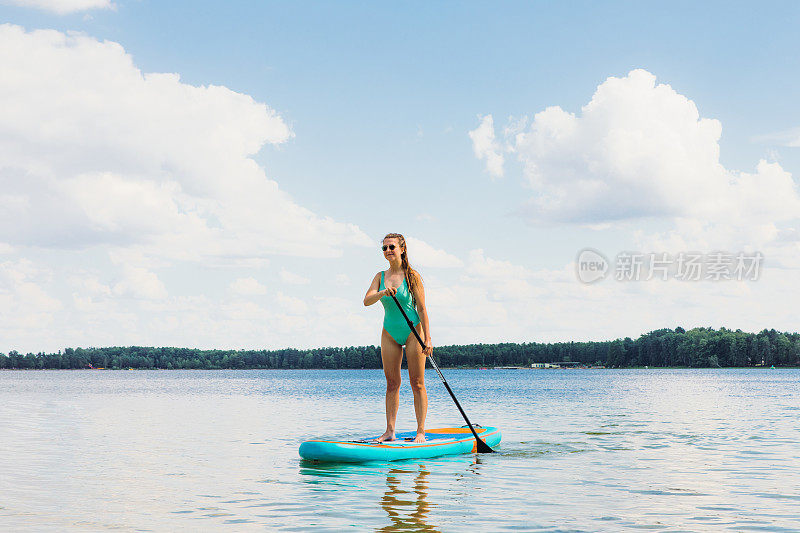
(583,450)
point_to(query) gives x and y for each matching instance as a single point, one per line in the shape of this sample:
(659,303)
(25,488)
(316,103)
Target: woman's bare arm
(373,295)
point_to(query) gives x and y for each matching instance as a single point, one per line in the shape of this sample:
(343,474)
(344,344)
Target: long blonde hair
(410,274)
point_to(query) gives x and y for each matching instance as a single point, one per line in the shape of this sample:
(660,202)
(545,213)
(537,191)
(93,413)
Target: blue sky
(373,105)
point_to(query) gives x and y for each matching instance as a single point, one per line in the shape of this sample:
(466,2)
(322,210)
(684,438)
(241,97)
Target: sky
(220,175)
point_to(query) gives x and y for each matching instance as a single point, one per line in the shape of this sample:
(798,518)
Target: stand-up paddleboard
(441,441)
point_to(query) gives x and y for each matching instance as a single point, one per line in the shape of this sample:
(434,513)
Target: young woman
(405,284)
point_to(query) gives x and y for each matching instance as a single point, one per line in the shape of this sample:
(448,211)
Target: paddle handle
(482,446)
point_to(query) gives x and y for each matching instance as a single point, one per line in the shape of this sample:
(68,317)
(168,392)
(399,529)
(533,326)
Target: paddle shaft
(482,446)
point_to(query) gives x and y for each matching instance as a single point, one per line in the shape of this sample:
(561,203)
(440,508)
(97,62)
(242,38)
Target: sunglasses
(390,246)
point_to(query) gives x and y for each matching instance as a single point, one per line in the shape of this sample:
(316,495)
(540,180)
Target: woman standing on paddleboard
(405,284)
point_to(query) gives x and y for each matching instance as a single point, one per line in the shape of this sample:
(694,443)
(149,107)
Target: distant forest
(699,347)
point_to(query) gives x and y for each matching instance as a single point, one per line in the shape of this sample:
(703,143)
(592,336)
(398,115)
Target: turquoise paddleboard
(440,441)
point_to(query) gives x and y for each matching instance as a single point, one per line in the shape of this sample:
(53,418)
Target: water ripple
(671,450)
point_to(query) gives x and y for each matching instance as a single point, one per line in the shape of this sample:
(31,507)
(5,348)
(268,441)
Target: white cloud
(138,282)
(423,254)
(496,300)
(463,306)
(346,319)
(25,302)
(486,267)
(758,211)
(486,147)
(488,299)
(90,285)
(244,311)
(790,137)
(116,177)
(292,278)
(639,150)
(124,158)
(291,304)
(100,159)
(137,209)
(248,287)
(61,7)
(504,281)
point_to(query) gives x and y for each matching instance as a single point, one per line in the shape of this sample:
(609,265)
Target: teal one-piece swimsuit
(393,321)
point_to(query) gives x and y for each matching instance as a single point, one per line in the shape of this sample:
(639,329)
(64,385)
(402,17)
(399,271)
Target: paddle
(482,446)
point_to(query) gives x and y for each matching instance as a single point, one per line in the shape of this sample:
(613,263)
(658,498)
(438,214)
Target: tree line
(697,348)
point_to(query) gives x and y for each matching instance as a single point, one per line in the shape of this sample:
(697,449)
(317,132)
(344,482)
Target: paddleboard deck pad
(440,441)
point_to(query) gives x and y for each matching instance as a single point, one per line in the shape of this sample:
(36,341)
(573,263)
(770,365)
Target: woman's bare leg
(416,375)
(392,357)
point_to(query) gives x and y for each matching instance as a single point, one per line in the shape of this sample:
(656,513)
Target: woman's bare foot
(420,437)
(389,435)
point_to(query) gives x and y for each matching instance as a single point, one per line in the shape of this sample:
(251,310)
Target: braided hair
(410,274)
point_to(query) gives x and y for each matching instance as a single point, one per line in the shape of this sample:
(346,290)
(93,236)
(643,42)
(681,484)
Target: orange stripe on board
(454,430)
(427,445)
(379,445)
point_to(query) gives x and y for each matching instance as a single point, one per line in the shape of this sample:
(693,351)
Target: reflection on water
(405,499)
(407,509)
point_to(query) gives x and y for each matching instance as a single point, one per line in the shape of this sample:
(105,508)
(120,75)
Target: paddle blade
(483,447)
